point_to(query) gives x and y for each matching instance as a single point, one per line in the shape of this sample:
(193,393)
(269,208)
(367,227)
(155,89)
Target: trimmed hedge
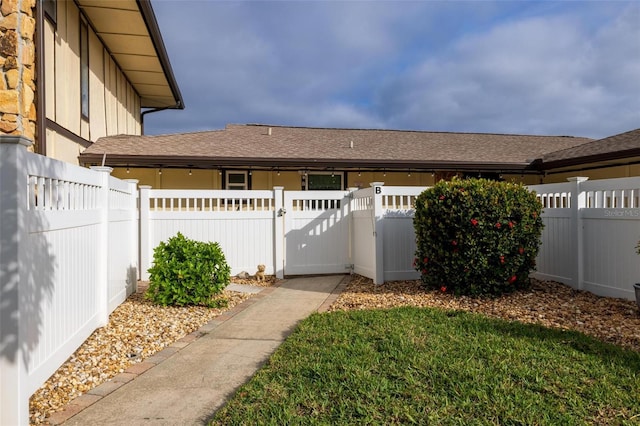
(187,272)
(477,237)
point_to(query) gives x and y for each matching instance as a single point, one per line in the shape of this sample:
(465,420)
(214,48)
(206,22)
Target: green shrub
(477,237)
(187,272)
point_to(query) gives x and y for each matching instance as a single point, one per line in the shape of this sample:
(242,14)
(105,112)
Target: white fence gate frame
(316,232)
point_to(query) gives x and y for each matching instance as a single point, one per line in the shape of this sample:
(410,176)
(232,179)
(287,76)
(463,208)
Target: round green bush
(477,237)
(187,272)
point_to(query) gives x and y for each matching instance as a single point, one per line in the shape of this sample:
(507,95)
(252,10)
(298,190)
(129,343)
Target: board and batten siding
(114,106)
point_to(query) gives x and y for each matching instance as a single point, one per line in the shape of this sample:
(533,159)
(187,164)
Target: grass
(430,366)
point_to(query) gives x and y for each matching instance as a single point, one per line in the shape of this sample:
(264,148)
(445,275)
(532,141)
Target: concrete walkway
(187,382)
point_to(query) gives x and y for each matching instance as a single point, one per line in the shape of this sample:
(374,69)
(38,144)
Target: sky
(520,67)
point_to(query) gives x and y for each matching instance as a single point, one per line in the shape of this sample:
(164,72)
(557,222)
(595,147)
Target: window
(237,180)
(50,9)
(84,69)
(324,181)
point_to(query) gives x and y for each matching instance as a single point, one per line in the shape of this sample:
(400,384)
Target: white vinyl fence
(68,257)
(368,231)
(587,244)
(242,222)
(71,237)
(591,230)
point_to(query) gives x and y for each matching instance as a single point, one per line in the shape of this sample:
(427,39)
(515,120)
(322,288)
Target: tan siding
(50,70)
(84,129)
(138,116)
(51,143)
(265,180)
(114,106)
(62,148)
(122,99)
(172,178)
(144,176)
(599,173)
(98,126)
(68,67)
(111,104)
(131,95)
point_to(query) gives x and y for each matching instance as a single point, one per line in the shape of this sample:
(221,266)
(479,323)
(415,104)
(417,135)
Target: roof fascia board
(213,162)
(576,161)
(149,18)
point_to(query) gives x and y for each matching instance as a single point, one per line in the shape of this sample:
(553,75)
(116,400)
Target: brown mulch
(547,303)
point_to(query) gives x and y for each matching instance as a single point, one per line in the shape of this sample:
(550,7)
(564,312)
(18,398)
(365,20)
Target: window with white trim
(237,180)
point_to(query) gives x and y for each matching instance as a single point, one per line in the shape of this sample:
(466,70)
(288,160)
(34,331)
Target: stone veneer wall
(17,68)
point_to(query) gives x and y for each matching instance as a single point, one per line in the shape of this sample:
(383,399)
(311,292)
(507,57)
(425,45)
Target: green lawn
(429,366)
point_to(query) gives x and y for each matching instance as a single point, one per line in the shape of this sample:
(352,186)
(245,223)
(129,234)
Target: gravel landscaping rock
(137,329)
(548,303)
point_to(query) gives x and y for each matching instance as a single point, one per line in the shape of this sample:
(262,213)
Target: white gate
(316,232)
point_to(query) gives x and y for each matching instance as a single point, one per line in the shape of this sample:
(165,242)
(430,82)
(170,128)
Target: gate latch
(282,212)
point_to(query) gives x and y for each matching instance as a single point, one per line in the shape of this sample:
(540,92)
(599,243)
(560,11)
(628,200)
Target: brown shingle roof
(622,145)
(263,145)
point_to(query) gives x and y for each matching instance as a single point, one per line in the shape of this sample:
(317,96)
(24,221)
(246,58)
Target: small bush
(477,237)
(187,272)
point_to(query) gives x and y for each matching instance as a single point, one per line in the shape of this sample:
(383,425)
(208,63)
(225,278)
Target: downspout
(41,142)
(149,111)
(152,25)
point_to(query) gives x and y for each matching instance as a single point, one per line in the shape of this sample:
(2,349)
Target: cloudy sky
(543,67)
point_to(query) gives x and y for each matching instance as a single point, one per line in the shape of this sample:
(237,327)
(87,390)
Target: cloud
(537,75)
(504,67)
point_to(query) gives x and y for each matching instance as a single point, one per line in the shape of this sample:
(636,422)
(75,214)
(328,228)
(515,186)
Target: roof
(129,30)
(269,146)
(623,145)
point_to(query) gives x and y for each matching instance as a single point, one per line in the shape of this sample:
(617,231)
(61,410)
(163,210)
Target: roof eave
(596,158)
(270,163)
(149,18)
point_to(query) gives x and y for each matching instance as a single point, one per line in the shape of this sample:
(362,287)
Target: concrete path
(186,383)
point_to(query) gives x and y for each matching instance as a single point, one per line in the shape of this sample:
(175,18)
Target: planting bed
(547,303)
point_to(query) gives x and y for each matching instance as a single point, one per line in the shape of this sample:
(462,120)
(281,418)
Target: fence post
(145,229)
(278,237)
(14,394)
(378,233)
(135,233)
(578,202)
(102,273)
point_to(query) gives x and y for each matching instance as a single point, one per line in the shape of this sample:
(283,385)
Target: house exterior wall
(114,106)
(596,171)
(17,68)
(289,180)
(61,148)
